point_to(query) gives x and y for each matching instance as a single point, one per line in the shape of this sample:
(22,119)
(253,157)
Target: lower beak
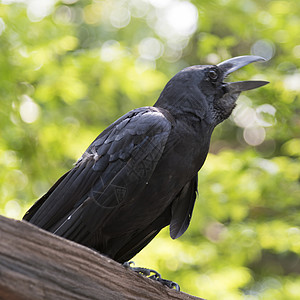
(233,64)
(240,86)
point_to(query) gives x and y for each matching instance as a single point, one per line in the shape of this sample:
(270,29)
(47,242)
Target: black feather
(140,173)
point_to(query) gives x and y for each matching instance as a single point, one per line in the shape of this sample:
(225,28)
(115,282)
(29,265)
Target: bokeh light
(182,17)
(12,209)
(120,17)
(253,120)
(175,21)
(110,50)
(139,8)
(151,48)
(37,10)
(291,82)
(264,48)
(254,135)
(29,110)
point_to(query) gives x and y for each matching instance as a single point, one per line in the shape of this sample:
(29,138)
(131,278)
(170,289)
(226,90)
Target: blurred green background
(70,68)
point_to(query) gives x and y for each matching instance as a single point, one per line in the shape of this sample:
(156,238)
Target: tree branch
(35,264)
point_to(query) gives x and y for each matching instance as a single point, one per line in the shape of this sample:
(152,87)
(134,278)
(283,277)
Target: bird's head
(201,90)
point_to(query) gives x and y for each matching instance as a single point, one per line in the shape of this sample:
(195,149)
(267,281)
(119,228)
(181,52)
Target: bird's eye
(213,75)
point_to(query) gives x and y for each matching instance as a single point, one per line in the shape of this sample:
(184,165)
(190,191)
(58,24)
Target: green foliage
(70,69)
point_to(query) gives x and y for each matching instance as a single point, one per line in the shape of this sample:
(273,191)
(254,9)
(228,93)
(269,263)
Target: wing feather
(182,208)
(115,167)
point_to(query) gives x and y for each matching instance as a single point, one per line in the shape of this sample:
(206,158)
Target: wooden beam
(35,264)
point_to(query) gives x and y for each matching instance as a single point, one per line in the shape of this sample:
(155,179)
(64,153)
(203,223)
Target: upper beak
(233,64)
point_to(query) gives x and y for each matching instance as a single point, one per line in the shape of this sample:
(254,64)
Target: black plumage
(140,174)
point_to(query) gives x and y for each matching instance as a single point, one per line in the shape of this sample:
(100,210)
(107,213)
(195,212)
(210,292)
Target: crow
(140,174)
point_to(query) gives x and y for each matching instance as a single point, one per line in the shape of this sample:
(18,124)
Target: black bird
(140,174)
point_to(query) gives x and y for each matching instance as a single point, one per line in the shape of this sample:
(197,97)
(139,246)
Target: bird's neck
(187,113)
(186,103)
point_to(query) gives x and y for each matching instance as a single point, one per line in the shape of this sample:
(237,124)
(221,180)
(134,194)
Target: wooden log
(35,264)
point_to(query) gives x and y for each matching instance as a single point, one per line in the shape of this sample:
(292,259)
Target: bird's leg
(155,275)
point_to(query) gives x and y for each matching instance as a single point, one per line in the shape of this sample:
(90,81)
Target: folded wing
(115,167)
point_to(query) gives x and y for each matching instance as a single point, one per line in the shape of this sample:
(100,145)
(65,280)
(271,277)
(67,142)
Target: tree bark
(35,264)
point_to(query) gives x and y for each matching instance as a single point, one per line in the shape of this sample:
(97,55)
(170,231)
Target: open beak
(233,64)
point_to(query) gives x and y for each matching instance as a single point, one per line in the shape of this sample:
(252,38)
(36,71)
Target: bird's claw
(128,264)
(170,284)
(144,271)
(156,276)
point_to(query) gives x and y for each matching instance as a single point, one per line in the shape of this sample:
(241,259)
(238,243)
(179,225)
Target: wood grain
(35,264)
